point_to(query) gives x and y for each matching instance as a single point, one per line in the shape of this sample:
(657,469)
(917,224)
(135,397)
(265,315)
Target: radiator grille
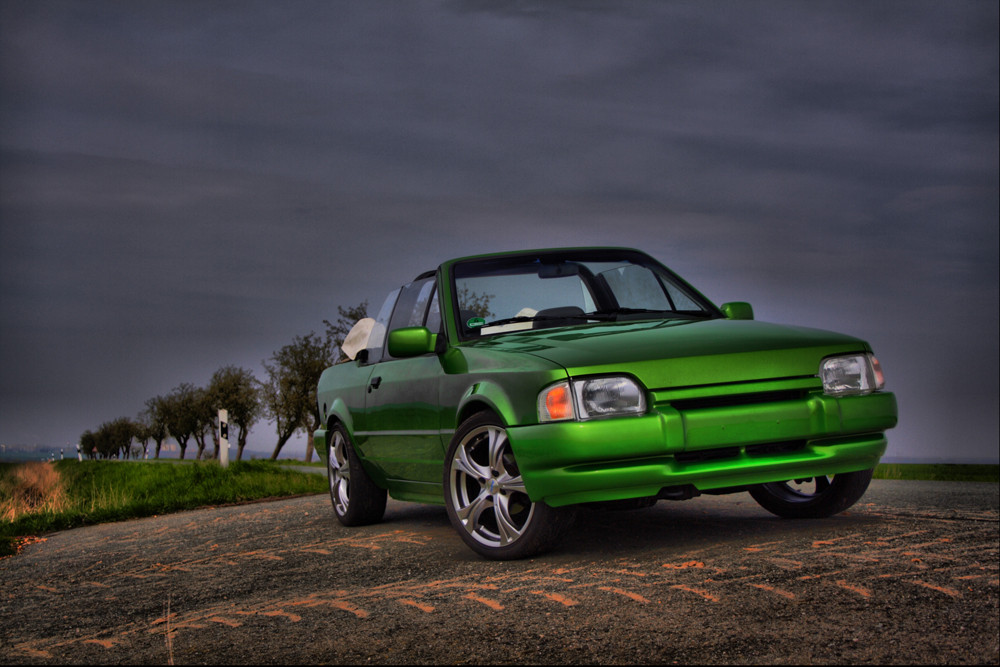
(730,400)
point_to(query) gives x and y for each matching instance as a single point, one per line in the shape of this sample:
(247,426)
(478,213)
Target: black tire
(486,500)
(812,498)
(357,500)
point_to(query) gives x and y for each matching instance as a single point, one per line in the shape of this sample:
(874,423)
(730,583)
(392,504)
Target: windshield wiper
(665,314)
(597,315)
(507,320)
(603,317)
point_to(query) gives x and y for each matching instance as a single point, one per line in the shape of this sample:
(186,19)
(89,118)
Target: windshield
(569,288)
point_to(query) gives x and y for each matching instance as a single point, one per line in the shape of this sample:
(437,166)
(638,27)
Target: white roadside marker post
(224,438)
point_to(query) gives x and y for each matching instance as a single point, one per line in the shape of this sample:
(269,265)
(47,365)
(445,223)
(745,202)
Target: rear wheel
(487,503)
(813,497)
(357,500)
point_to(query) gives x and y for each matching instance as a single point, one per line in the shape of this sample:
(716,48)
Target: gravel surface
(909,575)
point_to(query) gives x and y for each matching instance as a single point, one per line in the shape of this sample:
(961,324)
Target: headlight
(851,374)
(591,398)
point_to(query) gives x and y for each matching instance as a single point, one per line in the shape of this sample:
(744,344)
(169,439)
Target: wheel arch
(486,397)
(473,408)
(339,414)
(336,414)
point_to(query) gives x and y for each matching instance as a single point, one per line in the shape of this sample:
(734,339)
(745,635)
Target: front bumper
(565,463)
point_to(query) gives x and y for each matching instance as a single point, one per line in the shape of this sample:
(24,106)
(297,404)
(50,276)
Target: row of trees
(287,397)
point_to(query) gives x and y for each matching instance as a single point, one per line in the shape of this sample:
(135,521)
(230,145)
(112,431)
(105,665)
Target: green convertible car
(515,388)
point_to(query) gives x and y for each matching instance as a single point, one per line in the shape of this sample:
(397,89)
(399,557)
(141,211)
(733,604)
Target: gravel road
(908,576)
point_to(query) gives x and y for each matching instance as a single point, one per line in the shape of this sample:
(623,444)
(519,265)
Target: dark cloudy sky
(186,185)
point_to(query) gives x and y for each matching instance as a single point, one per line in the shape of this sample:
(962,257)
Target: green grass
(294,462)
(942,472)
(100,491)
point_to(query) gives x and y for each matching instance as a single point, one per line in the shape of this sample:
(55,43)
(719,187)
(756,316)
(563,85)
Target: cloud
(187,185)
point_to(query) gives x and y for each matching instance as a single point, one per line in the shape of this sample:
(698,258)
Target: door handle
(374,384)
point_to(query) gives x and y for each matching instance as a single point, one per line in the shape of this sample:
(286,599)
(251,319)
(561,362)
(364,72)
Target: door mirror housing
(411,342)
(737,310)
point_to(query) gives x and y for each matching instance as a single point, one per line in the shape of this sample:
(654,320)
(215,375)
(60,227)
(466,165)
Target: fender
(337,412)
(486,394)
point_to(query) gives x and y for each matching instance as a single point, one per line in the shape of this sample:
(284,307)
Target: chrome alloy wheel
(339,474)
(486,489)
(800,490)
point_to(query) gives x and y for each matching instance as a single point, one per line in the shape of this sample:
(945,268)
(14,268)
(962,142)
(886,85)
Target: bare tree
(238,391)
(290,390)
(88,444)
(204,416)
(182,420)
(155,419)
(114,438)
(143,434)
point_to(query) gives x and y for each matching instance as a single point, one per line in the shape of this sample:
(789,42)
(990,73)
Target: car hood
(675,353)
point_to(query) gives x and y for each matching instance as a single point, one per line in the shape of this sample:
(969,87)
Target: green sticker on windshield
(475,322)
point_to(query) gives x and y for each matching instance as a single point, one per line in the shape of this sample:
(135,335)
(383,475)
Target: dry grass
(31,488)
(36,498)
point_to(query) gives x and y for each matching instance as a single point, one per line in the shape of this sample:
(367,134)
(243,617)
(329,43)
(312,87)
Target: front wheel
(357,500)
(814,497)
(485,496)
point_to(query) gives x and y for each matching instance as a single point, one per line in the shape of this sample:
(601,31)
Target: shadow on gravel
(600,532)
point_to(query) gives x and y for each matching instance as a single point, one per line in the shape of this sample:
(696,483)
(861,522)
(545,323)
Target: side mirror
(411,342)
(737,310)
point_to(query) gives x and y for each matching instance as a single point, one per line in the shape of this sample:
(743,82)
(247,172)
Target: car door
(402,407)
